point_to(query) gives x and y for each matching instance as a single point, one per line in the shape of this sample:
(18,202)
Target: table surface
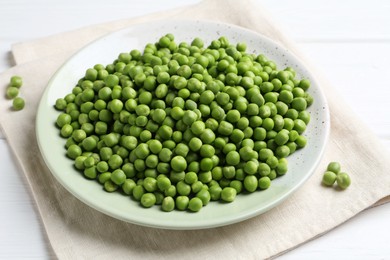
(348,40)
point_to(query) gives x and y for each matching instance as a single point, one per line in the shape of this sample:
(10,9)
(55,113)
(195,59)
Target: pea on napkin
(77,231)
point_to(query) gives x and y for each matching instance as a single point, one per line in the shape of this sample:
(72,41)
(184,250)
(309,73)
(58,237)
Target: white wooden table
(348,40)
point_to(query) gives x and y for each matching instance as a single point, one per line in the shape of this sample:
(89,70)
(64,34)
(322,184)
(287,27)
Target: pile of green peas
(12,92)
(334,175)
(181,125)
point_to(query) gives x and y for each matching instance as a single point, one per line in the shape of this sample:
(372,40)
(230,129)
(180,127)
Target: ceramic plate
(104,51)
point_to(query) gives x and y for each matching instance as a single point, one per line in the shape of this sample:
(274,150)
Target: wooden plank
(333,20)
(83,13)
(22,234)
(351,20)
(359,72)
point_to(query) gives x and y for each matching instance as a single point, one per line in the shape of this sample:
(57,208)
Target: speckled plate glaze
(301,164)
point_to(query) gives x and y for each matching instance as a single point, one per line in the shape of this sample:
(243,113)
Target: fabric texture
(77,231)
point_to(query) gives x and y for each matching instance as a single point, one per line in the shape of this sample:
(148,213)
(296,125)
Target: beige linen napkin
(77,231)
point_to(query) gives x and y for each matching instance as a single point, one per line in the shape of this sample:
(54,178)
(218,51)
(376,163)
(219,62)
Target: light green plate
(104,51)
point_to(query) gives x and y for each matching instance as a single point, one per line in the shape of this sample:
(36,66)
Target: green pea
(129,142)
(212,124)
(16,81)
(89,143)
(63,119)
(183,188)
(165,132)
(286,96)
(206,164)
(165,155)
(128,186)
(215,192)
(190,178)
(250,183)
(168,204)
(111,139)
(304,84)
(178,163)
(282,137)
(60,104)
(115,161)
(138,192)
(66,130)
(251,167)
(109,186)
(105,153)
(264,182)
(237,136)
(151,161)
(233,158)
(74,151)
(225,128)
(272,162)
(116,106)
(329,178)
(334,167)
(163,183)
(264,169)
(304,116)
(217,173)
(268,124)
(104,177)
(182,202)
(228,194)
(150,184)
(79,161)
(205,176)
(198,127)
(13,92)
(142,151)
(281,168)
(189,117)
(282,151)
(219,143)
(139,165)
(237,185)
(148,200)
(343,180)
(233,116)
(118,177)
(301,141)
(208,136)
(102,166)
(207,151)
(195,204)
(204,196)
